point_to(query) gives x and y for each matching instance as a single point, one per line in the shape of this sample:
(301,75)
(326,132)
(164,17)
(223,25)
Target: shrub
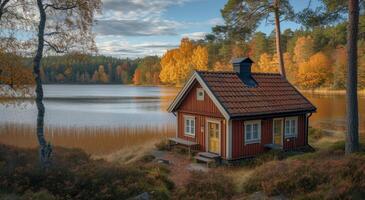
(317,178)
(163,145)
(204,185)
(315,134)
(74,175)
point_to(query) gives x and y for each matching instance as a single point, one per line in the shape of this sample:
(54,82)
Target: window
(189,125)
(291,129)
(252,132)
(200,94)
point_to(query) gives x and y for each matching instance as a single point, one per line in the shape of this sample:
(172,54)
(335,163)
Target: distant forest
(314,58)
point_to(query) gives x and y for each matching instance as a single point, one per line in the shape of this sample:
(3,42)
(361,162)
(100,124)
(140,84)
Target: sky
(137,28)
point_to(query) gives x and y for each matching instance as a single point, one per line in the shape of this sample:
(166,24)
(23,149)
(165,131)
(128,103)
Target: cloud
(136,18)
(120,47)
(136,27)
(195,35)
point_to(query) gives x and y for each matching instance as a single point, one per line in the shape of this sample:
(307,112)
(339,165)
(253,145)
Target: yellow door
(278,131)
(213,137)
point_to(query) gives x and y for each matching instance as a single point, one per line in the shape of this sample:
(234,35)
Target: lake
(114,111)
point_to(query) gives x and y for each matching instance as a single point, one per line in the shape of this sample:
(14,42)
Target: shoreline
(331,91)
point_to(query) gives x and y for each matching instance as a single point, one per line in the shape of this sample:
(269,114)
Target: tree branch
(55,48)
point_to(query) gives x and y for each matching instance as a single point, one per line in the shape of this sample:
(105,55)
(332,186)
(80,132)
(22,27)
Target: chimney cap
(241,60)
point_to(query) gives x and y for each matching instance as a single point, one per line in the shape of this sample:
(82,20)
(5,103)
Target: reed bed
(98,141)
(331,92)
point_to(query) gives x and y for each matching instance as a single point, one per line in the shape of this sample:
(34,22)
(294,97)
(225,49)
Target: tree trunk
(278,38)
(45,148)
(352,136)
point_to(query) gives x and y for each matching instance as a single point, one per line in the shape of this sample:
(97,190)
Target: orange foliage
(315,72)
(137,77)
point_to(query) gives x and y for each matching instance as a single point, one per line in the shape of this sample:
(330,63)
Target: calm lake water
(121,106)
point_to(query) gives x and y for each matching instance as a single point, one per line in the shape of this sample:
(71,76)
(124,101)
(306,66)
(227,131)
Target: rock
(198,167)
(143,196)
(163,161)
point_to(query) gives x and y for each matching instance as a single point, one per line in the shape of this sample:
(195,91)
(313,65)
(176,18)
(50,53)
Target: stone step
(209,155)
(204,159)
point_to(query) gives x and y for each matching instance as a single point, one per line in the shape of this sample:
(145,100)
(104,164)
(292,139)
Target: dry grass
(330,91)
(112,143)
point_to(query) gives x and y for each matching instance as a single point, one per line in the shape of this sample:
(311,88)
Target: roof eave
(274,114)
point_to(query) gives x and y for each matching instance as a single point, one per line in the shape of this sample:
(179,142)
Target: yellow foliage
(222,67)
(177,64)
(303,49)
(267,64)
(200,58)
(315,71)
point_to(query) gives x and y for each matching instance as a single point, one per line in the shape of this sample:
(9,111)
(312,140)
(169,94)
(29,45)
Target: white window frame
(256,140)
(189,133)
(290,134)
(198,91)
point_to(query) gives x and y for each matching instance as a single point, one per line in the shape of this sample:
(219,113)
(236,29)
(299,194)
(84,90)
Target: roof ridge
(215,72)
(266,73)
(231,72)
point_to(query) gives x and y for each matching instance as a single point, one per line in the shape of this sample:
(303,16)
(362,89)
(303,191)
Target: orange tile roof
(272,95)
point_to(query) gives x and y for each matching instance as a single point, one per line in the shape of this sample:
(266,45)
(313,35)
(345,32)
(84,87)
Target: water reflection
(96,117)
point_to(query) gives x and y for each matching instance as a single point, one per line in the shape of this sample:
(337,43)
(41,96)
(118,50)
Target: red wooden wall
(240,150)
(201,110)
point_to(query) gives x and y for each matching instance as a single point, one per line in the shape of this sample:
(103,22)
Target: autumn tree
(200,58)
(222,67)
(303,49)
(266,63)
(177,64)
(14,74)
(137,77)
(61,25)
(315,72)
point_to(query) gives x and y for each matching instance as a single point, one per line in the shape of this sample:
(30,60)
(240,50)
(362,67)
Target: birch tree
(63,26)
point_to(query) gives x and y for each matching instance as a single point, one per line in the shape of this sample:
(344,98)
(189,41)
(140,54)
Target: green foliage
(86,69)
(149,68)
(203,185)
(74,175)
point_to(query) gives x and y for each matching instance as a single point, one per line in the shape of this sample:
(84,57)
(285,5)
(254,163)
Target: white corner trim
(181,94)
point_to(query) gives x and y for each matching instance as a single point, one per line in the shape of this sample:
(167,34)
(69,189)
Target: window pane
(293,127)
(255,131)
(248,132)
(287,127)
(248,136)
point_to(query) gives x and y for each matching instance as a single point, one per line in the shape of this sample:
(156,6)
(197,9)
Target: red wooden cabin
(241,114)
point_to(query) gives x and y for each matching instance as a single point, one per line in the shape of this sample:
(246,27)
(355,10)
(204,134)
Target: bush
(266,157)
(315,134)
(163,145)
(203,185)
(321,178)
(74,175)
